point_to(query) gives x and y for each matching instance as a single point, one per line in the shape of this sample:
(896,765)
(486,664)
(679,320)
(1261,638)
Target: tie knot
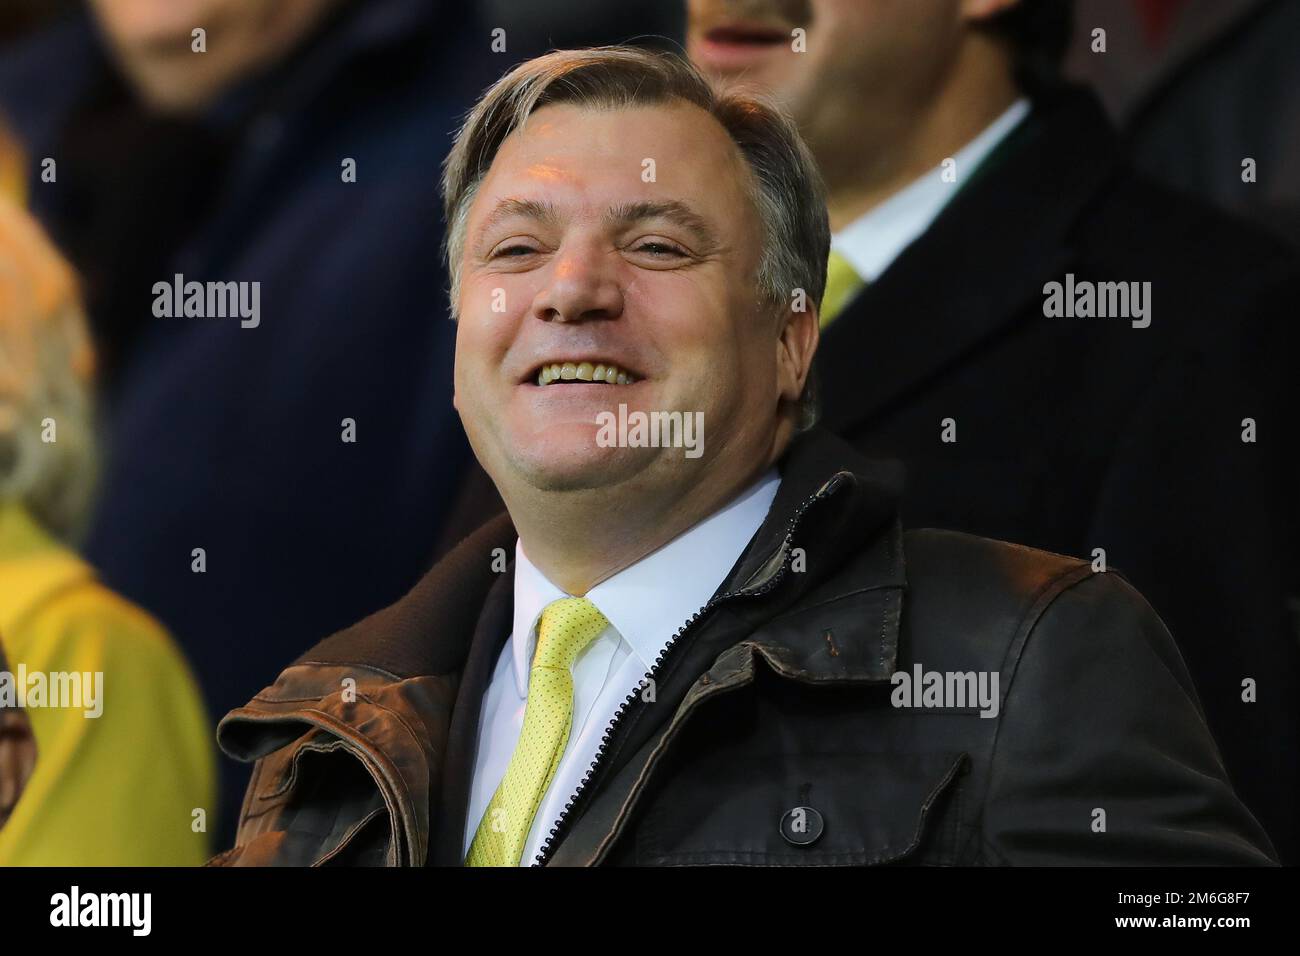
(564,629)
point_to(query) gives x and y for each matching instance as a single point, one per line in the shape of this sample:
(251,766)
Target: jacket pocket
(805,809)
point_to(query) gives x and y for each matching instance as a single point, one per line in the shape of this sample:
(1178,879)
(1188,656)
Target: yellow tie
(565,628)
(842,284)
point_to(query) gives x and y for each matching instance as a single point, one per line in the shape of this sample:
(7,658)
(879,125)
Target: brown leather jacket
(773,736)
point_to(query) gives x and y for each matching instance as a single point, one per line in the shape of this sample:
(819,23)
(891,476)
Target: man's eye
(659,248)
(513,251)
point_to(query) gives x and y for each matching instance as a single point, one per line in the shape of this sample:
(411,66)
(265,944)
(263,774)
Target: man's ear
(794,350)
(981,10)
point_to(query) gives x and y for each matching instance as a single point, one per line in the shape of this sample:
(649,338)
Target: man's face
(153,40)
(858,53)
(170,21)
(620,237)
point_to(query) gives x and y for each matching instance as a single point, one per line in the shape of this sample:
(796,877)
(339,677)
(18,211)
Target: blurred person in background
(1199,87)
(264,483)
(121,786)
(17,745)
(965,178)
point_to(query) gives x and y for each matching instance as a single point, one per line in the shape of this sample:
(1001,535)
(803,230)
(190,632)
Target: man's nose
(584,285)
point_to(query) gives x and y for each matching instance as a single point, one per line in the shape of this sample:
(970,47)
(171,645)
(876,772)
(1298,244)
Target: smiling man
(693,660)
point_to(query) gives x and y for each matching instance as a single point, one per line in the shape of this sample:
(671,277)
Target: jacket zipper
(564,822)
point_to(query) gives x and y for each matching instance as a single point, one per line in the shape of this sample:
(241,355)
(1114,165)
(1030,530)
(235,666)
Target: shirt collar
(650,600)
(874,240)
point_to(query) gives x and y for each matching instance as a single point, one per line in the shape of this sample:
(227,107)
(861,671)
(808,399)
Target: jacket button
(802,826)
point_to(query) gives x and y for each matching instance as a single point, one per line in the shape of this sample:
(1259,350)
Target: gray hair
(46,366)
(788,191)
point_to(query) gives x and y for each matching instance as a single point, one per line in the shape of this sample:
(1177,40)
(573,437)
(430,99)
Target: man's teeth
(583,372)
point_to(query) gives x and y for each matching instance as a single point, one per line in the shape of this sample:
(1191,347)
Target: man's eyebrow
(672,210)
(520,209)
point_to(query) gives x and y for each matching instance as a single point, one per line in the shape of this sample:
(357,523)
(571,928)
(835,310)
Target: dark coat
(775,696)
(1075,434)
(230,439)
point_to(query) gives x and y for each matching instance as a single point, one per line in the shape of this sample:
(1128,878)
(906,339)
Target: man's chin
(578,465)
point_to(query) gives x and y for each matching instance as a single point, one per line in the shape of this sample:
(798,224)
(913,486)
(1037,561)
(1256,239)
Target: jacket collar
(994,245)
(817,598)
(834,511)
(646,601)
(831,545)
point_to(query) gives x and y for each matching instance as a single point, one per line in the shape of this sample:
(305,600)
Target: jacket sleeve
(1102,755)
(312,800)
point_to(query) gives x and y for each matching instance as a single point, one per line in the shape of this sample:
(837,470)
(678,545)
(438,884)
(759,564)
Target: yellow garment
(842,284)
(565,628)
(113,790)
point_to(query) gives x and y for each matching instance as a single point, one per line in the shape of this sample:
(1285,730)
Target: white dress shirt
(646,605)
(874,240)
